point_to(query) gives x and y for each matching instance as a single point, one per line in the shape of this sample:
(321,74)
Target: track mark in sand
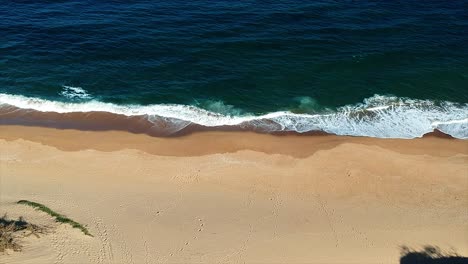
(244,245)
(199,227)
(125,251)
(58,243)
(105,251)
(363,235)
(61,240)
(238,252)
(277,204)
(147,254)
(197,230)
(329,219)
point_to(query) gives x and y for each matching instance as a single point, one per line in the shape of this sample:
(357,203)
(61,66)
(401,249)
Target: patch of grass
(58,217)
(11,230)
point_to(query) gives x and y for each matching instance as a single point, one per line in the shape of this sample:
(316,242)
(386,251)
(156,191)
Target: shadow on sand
(430,255)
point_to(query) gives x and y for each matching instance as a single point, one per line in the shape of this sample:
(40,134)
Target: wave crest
(377,116)
(73,93)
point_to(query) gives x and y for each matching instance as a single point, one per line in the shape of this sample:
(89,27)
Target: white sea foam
(72,92)
(378,116)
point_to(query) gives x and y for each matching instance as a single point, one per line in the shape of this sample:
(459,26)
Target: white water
(71,92)
(378,116)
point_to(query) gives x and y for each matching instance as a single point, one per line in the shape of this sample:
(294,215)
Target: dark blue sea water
(374,68)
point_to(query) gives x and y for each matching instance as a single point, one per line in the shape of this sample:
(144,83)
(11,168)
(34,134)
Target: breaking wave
(74,93)
(377,116)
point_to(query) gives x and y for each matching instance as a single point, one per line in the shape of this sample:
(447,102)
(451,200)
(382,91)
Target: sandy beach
(233,197)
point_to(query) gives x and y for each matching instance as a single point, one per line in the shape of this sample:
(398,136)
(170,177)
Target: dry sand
(219,197)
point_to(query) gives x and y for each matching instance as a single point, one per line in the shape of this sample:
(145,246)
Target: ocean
(386,69)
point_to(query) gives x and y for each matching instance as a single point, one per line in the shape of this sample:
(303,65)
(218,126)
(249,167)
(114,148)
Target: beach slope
(218,197)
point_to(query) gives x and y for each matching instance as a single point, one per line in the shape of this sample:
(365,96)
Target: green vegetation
(58,217)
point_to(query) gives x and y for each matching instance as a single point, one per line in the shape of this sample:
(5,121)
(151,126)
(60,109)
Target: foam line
(377,116)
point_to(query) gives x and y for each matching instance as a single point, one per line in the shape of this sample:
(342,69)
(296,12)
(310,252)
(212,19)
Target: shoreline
(212,142)
(377,116)
(234,196)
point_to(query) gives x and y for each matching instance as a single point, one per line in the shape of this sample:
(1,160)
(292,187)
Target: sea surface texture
(395,69)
